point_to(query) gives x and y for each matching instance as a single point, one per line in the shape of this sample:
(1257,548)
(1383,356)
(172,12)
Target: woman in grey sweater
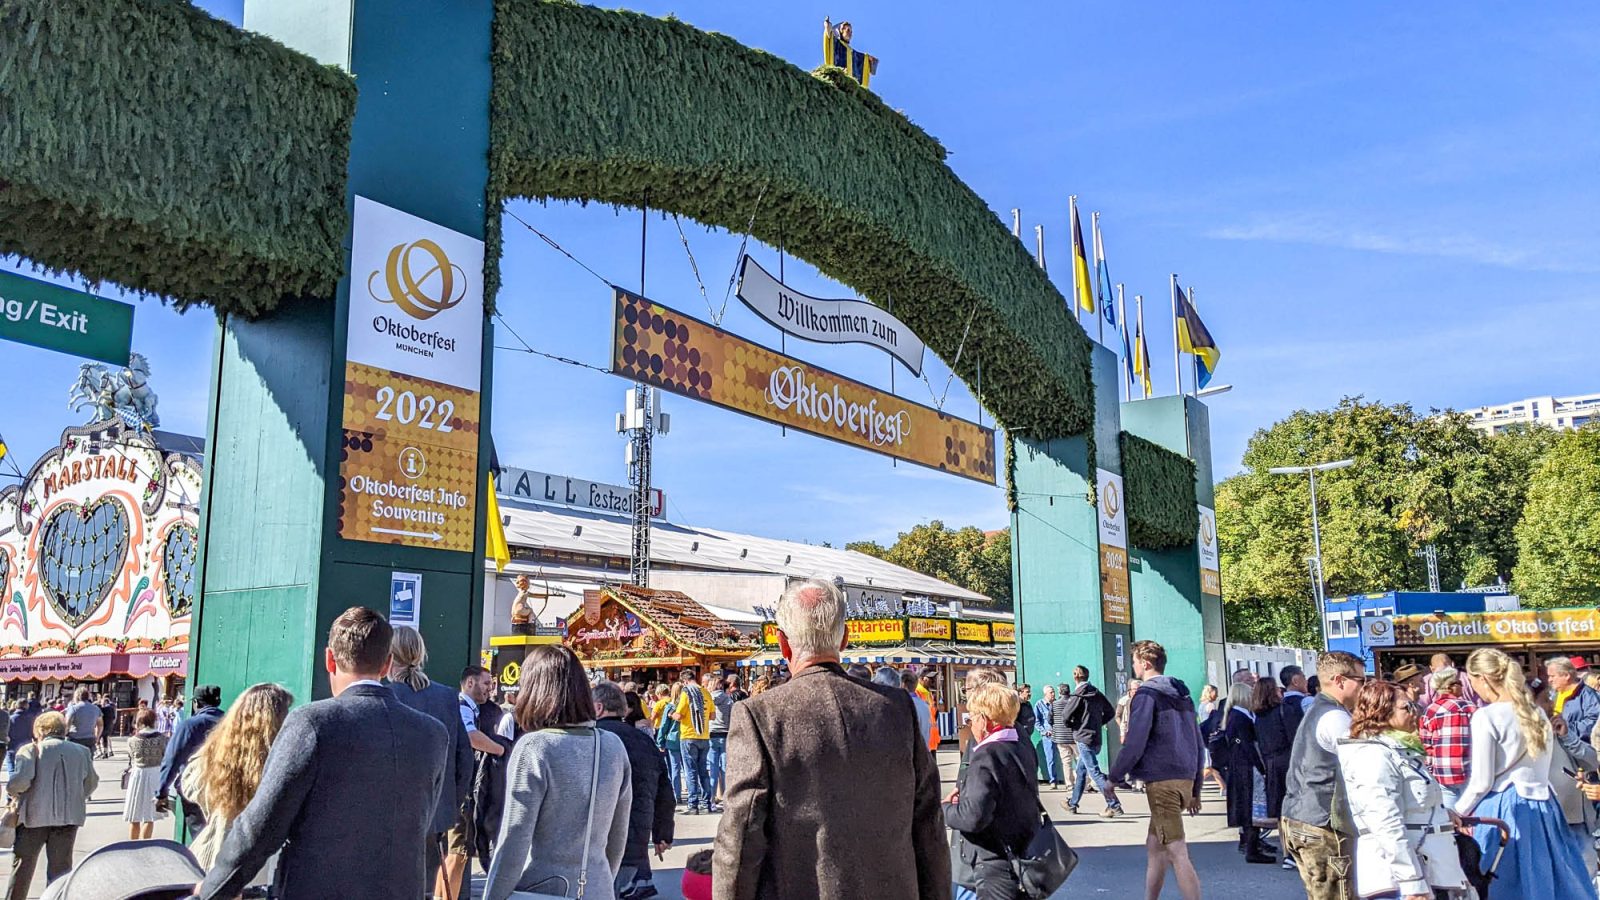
(568,789)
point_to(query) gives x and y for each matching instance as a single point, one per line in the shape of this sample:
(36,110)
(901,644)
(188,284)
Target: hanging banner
(827,321)
(1210,560)
(1527,626)
(1116,593)
(409,471)
(667,349)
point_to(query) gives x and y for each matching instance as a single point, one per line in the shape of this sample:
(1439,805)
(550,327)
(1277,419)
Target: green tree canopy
(1558,539)
(973,559)
(1418,479)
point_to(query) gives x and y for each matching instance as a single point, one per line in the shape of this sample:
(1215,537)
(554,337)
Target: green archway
(209,165)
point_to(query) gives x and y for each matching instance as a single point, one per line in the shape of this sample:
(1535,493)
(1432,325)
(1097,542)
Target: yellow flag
(494,544)
(1081,287)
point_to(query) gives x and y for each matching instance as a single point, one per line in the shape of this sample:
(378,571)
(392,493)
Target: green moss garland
(1158,485)
(594,104)
(148,144)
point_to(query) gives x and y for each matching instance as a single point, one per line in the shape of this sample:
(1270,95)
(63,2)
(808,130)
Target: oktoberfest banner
(665,348)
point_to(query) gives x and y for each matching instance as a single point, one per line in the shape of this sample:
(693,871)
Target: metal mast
(641,431)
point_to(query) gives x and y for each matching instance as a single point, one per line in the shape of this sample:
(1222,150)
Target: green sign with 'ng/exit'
(57,318)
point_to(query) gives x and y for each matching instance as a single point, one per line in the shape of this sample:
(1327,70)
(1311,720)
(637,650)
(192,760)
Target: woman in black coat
(1244,767)
(996,809)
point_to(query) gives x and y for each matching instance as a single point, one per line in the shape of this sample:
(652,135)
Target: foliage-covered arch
(597,104)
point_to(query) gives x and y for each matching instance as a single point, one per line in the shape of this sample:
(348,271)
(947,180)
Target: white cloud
(1324,232)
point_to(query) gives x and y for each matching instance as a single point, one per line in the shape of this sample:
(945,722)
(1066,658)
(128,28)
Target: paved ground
(1111,852)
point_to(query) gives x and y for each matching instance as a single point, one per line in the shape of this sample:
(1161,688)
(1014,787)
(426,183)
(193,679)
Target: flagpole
(1099,258)
(1177,364)
(1072,223)
(1038,242)
(1016,222)
(1122,324)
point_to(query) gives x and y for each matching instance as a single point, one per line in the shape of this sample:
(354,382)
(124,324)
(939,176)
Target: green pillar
(274,570)
(1169,605)
(1056,549)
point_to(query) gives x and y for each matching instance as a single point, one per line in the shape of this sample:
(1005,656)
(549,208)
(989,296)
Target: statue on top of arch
(836,51)
(117,394)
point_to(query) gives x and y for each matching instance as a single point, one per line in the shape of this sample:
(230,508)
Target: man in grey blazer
(831,791)
(350,786)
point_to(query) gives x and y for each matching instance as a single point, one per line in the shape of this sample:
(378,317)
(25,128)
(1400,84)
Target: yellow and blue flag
(1080,265)
(1194,338)
(494,542)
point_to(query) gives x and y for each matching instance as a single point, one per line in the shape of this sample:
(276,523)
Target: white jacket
(1403,840)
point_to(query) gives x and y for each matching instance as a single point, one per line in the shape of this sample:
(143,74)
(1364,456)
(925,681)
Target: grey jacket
(53,781)
(348,794)
(547,807)
(441,703)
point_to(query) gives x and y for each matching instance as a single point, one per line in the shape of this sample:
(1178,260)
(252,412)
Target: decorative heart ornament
(178,556)
(81,550)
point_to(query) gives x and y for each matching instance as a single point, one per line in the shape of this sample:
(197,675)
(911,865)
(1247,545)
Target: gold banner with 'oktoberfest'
(660,346)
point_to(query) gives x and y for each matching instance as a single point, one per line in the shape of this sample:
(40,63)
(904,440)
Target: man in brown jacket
(831,794)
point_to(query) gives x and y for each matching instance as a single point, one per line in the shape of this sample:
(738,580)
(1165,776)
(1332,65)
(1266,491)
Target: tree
(967,557)
(1418,480)
(1558,539)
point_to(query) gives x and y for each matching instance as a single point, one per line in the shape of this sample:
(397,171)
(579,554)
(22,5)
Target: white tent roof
(587,531)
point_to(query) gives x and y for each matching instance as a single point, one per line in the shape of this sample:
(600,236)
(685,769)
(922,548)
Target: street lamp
(1318,594)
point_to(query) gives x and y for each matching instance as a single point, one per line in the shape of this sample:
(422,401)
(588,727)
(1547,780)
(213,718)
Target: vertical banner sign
(409,471)
(1116,594)
(1210,565)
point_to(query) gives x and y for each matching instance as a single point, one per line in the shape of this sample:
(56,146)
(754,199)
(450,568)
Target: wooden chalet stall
(649,636)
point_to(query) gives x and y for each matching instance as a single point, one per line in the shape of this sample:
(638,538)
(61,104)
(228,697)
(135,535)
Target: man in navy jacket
(186,741)
(1162,749)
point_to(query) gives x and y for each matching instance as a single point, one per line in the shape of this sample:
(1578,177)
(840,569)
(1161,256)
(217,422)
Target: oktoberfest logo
(81,553)
(1109,501)
(420,279)
(1207,532)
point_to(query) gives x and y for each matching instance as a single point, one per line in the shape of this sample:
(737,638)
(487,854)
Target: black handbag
(1046,863)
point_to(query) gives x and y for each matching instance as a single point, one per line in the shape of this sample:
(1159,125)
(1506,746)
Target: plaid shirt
(1446,736)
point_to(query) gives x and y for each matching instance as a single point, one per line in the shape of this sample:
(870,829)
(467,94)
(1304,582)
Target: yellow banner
(1528,626)
(1004,632)
(663,347)
(409,471)
(769,634)
(973,633)
(876,631)
(1115,590)
(929,629)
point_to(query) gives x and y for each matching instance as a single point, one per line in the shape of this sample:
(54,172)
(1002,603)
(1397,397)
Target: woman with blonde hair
(1245,771)
(1509,779)
(223,777)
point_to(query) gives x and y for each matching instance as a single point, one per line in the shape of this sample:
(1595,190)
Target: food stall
(949,647)
(649,636)
(1529,636)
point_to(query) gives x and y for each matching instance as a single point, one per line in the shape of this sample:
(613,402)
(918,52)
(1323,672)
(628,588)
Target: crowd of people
(1401,787)
(1415,785)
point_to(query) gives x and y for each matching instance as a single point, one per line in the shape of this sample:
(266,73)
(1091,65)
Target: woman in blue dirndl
(1509,779)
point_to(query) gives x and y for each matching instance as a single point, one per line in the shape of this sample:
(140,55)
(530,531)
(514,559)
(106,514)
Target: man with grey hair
(1574,700)
(858,817)
(650,817)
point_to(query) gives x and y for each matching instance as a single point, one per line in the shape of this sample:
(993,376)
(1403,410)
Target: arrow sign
(430,535)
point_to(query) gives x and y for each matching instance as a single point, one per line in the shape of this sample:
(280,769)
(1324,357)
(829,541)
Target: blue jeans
(1088,769)
(717,763)
(1047,760)
(674,754)
(697,781)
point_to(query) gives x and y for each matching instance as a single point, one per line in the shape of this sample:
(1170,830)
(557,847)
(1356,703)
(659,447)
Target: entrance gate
(210,165)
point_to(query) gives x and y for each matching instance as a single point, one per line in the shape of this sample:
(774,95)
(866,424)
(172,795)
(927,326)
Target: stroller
(1478,875)
(131,870)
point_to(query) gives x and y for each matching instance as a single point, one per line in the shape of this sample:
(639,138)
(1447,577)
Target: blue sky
(1398,202)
